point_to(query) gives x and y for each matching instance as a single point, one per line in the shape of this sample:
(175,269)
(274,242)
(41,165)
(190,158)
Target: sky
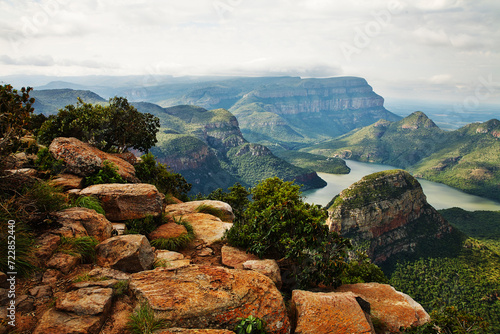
(418,49)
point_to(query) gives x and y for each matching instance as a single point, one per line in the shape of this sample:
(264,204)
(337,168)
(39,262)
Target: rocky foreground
(204,288)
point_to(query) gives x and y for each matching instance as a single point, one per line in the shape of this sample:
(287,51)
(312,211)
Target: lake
(440,196)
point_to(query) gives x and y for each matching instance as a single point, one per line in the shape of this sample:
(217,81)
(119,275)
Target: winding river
(438,195)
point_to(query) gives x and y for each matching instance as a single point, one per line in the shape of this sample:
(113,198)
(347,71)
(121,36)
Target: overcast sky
(414,49)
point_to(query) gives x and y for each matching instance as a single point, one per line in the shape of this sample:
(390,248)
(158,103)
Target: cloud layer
(422,43)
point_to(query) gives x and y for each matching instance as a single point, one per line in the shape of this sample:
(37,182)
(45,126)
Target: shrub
(158,174)
(250,325)
(360,269)
(237,198)
(143,321)
(82,246)
(46,162)
(120,288)
(142,226)
(279,224)
(108,173)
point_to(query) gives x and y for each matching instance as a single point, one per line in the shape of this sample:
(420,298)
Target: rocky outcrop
(94,223)
(83,159)
(167,231)
(207,228)
(234,257)
(194,331)
(392,308)
(194,206)
(388,209)
(129,253)
(211,297)
(127,201)
(268,268)
(324,313)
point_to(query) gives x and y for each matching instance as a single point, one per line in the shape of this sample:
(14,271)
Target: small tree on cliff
(279,224)
(114,127)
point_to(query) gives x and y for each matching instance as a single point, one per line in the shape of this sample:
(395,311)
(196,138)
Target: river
(440,196)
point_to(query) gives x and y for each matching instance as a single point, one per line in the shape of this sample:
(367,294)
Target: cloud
(30,61)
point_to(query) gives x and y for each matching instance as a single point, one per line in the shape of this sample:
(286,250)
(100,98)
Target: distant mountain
(49,101)
(467,158)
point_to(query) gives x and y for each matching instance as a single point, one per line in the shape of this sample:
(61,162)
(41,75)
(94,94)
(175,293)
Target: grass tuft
(83,246)
(143,321)
(211,210)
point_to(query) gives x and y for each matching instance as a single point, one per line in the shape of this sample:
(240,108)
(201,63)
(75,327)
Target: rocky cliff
(389,211)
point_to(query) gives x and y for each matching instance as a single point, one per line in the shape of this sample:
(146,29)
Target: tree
(279,224)
(114,127)
(15,112)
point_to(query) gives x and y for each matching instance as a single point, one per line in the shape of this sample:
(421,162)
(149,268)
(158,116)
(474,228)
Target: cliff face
(388,210)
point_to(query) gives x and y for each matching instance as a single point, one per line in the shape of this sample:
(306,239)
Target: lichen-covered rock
(68,181)
(211,297)
(393,308)
(88,301)
(325,313)
(57,322)
(269,268)
(234,257)
(191,207)
(83,159)
(167,231)
(63,262)
(129,253)
(94,223)
(207,228)
(127,201)
(390,210)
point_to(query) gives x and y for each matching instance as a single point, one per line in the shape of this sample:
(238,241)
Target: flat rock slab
(86,301)
(127,201)
(191,207)
(63,262)
(57,322)
(83,159)
(211,297)
(234,257)
(94,223)
(325,313)
(207,228)
(393,308)
(128,253)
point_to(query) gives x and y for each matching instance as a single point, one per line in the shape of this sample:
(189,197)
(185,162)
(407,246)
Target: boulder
(127,201)
(207,228)
(194,331)
(95,224)
(68,181)
(108,273)
(394,309)
(269,268)
(63,262)
(234,257)
(83,159)
(129,253)
(57,322)
(168,255)
(190,207)
(119,317)
(41,291)
(86,301)
(168,231)
(322,313)
(211,297)
(69,228)
(45,245)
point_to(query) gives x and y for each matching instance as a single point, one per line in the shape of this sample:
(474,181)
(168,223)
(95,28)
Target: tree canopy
(113,127)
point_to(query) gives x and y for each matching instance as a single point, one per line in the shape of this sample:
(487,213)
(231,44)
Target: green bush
(237,198)
(360,269)
(144,321)
(23,247)
(108,173)
(250,325)
(279,224)
(165,180)
(142,226)
(46,162)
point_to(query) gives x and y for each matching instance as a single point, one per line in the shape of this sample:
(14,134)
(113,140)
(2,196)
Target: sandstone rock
(322,313)
(386,209)
(207,228)
(129,253)
(41,291)
(63,262)
(194,331)
(24,304)
(127,201)
(109,283)
(86,301)
(168,255)
(45,245)
(119,317)
(69,228)
(30,172)
(95,224)
(167,231)
(234,257)
(190,207)
(83,159)
(205,252)
(211,297)
(172,264)
(269,268)
(57,322)
(118,228)
(51,276)
(108,273)
(3,280)
(68,181)
(394,309)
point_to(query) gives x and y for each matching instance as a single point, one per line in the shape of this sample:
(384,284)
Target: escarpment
(389,211)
